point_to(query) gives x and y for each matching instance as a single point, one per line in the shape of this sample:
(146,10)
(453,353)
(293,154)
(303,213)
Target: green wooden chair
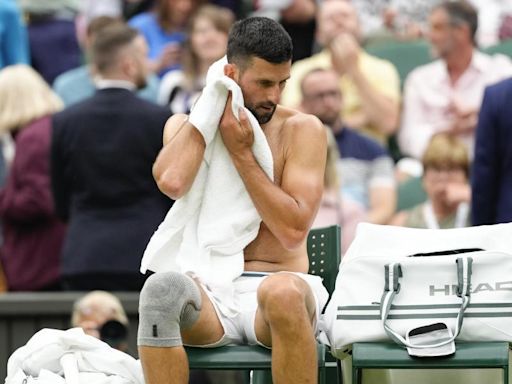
(324,251)
(392,356)
(410,193)
(504,47)
(405,55)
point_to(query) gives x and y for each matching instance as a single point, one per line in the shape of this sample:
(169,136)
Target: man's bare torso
(265,252)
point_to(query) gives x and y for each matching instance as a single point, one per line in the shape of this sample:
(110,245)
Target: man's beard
(262,117)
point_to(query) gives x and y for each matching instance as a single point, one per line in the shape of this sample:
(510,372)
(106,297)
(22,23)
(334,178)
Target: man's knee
(283,297)
(168,303)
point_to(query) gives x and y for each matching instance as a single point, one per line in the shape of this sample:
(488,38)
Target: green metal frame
(324,251)
(468,355)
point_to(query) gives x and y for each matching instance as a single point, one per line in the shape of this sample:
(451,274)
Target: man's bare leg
(169,365)
(286,309)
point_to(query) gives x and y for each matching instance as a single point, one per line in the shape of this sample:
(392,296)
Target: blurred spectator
(103,151)
(370,86)
(446,182)
(492,21)
(296,16)
(54,46)
(164,31)
(445,95)
(93,9)
(207,38)
(78,84)
(13,35)
(392,19)
(492,168)
(32,234)
(333,208)
(101,315)
(365,169)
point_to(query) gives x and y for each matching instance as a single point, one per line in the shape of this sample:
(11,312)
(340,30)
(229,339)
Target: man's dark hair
(461,12)
(108,43)
(258,37)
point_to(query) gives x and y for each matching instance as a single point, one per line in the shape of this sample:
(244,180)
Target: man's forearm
(179,160)
(281,213)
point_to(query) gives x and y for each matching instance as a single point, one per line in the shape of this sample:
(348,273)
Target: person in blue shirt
(164,31)
(13,35)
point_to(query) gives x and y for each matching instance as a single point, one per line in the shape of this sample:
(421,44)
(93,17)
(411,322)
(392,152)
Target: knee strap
(168,302)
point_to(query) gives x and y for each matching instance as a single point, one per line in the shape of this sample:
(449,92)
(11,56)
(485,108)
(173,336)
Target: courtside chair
(468,355)
(324,252)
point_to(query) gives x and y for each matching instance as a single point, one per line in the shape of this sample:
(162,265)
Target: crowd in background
(87,85)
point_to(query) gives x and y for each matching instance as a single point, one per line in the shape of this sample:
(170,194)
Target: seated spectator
(298,19)
(207,38)
(493,17)
(386,20)
(78,84)
(164,31)
(32,233)
(491,179)
(370,86)
(102,155)
(445,95)
(54,47)
(93,9)
(446,182)
(365,168)
(333,208)
(101,315)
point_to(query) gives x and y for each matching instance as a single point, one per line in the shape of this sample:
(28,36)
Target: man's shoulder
(425,72)
(73,77)
(500,89)
(370,62)
(297,121)
(142,20)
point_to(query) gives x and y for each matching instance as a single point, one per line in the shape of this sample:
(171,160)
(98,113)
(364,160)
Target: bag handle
(393,273)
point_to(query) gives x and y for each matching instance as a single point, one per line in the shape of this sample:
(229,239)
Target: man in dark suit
(102,154)
(492,168)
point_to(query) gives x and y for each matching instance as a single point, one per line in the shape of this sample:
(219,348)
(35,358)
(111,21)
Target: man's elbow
(293,238)
(170,185)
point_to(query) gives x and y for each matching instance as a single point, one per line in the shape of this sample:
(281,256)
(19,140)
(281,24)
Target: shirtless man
(280,310)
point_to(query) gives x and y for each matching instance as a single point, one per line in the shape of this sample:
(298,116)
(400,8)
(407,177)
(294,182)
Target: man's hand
(457,193)
(169,56)
(345,53)
(464,120)
(237,135)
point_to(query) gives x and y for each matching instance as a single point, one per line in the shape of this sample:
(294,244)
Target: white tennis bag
(382,291)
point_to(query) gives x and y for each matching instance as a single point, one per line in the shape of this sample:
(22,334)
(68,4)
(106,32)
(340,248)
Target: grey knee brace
(168,302)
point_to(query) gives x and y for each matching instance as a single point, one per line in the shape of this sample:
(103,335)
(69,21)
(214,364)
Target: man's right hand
(236,133)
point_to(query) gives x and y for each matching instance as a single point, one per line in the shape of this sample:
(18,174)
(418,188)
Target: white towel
(51,354)
(206,231)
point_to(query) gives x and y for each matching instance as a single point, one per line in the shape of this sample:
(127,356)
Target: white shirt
(428,94)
